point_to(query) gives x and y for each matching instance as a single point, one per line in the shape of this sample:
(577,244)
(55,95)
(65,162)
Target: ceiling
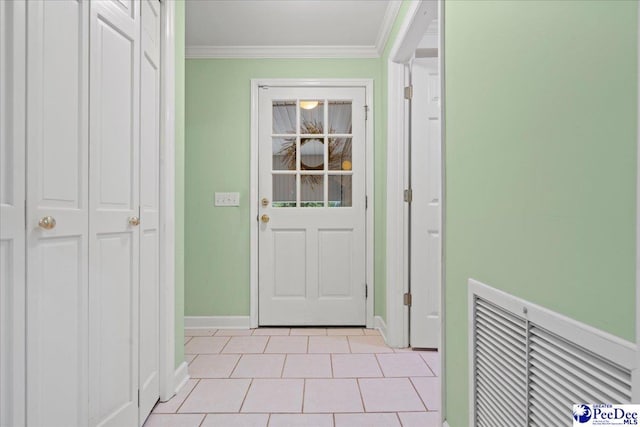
(288,28)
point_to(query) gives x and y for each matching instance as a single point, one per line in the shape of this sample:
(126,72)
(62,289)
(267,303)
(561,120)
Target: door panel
(312,188)
(426,206)
(149,381)
(12,213)
(57,144)
(114,211)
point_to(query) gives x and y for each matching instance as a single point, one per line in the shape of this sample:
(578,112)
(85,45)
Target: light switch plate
(227,199)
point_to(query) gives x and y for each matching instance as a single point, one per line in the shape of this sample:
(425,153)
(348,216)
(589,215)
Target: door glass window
(312,164)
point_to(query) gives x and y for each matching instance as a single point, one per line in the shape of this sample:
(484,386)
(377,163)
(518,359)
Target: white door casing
(425,206)
(312,260)
(114,210)
(57,154)
(149,333)
(12,213)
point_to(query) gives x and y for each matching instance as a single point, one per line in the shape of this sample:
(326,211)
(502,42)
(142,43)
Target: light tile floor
(295,377)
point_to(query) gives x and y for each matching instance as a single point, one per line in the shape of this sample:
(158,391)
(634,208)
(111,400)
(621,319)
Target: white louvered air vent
(530,365)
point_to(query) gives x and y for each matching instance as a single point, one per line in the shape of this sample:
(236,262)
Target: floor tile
(371,332)
(355,366)
(344,331)
(301,420)
(213,365)
(308,331)
(174,420)
(199,332)
(420,419)
(274,395)
(433,360)
(200,345)
(223,395)
(307,366)
(236,420)
(287,345)
(429,390)
(389,395)
(332,395)
(259,366)
(403,365)
(328,345)
(271,331)
(368,344)
(172,405)
(249,344)
(367,420)
(189,358)
(233,332)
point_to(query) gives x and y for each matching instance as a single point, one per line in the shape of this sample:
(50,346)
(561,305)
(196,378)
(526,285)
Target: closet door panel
(57,212)
(12,214)
(114,212)
(149,206)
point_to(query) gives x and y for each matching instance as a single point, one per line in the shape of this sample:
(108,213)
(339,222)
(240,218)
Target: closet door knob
(47,222)
(134,220)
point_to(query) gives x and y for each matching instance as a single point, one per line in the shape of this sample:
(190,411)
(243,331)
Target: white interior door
(149,207)
(426,205)
(12,213)
(114,212)
(312,194)
(57,154)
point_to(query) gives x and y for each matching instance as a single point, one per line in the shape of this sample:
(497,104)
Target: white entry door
(426,205)
(114,231)
(311,208)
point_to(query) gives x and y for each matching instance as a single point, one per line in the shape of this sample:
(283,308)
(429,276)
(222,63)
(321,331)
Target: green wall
(540,163)
(218,131)
(180,164)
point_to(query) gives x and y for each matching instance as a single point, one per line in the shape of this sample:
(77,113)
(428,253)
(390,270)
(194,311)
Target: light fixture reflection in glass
(308,105)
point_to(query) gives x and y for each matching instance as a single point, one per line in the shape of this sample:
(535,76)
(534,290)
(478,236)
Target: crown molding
(210,52)
(393,7)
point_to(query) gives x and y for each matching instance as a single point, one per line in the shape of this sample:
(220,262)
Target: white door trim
(167,203)
(253,197)
(411,31)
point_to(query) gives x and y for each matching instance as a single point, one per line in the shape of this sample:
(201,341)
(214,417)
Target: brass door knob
(264,218)
(265,202)
(47,222)
(134,220)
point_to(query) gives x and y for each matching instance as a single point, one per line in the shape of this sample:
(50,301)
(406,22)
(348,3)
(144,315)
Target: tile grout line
(203,418)
(246,393)
(426,408)
(375,355)
(187,396)
(235,366)
(286,356)
(364,408)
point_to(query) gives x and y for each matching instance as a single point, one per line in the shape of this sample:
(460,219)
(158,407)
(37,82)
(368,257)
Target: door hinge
(408,195)
(366,202)
(366,291)
(407,299)
(138,398)
(408,92)
(366,112)
(25,214)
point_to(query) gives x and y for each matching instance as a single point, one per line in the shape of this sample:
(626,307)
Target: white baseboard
(381,325)
(181,376)
(445,424)
(217,322)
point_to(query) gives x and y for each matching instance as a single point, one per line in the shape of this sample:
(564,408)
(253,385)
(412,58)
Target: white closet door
(149,210)
(114,212)
(12,222)
(57,151)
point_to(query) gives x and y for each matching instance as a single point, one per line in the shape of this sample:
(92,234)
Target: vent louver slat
(500,358)
(528,368)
